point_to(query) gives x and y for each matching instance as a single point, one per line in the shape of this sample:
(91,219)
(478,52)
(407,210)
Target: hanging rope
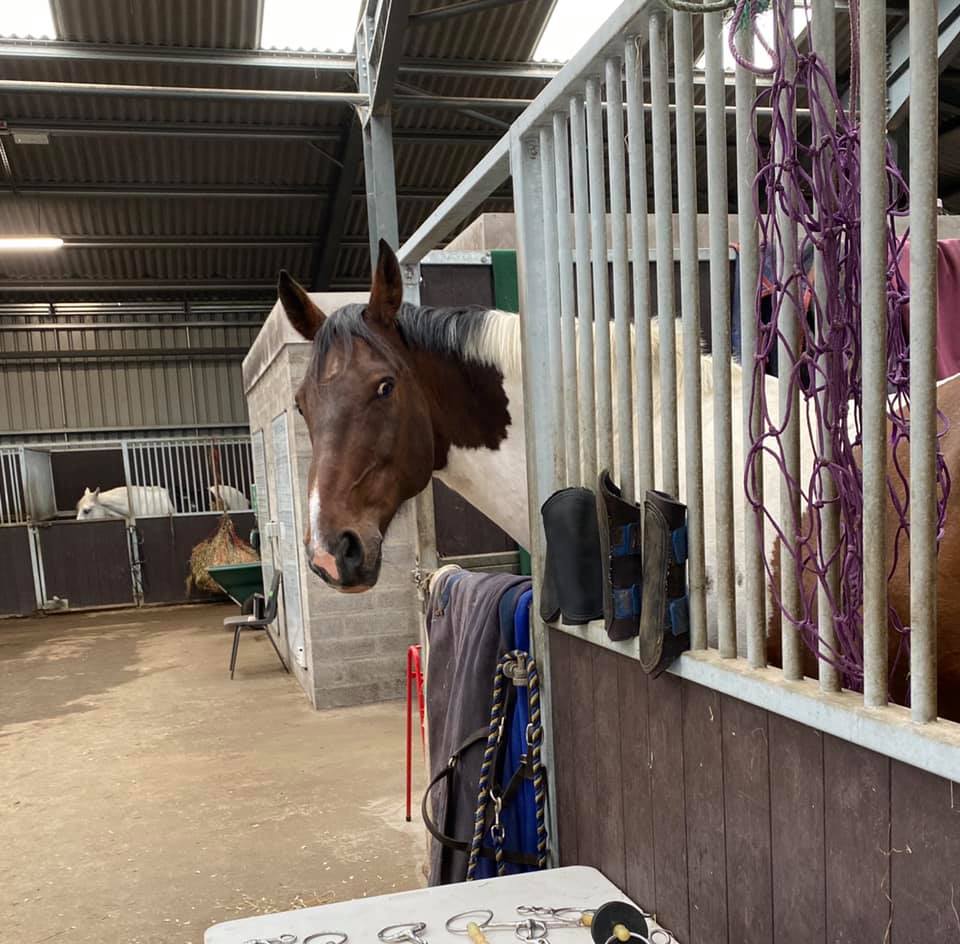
(813,186)
(486,788)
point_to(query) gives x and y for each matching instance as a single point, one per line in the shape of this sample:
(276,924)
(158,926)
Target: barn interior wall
(122,367)
(734,824)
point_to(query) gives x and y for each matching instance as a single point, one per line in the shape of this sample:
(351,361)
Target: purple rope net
(812,185)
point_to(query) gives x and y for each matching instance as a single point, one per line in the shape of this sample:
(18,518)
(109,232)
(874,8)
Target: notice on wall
(287,542)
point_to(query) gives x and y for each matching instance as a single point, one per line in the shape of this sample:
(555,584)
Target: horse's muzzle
(354,568)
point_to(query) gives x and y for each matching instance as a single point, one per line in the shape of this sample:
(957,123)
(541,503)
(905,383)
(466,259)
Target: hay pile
(224,547)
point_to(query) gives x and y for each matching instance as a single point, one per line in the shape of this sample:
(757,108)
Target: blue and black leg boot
(621,547)
(664,617)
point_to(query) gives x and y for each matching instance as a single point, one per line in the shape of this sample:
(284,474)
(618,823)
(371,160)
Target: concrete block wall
(354,644)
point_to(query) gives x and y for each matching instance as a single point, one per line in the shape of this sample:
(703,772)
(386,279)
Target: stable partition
(738,800)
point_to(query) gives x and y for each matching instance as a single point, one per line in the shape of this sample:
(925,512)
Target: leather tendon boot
(664,617)
(573,582)
(621,546)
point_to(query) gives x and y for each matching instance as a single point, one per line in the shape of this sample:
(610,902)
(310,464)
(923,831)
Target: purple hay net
(812,183)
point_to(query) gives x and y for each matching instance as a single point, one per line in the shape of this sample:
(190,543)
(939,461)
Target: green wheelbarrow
(238,581)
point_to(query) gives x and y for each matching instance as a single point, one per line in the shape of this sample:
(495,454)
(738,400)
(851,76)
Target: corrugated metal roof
(229,24)
(85,158)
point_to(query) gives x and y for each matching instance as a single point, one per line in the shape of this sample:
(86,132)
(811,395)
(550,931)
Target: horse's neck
(485,461)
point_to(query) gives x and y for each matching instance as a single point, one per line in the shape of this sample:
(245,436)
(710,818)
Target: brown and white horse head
(369,422)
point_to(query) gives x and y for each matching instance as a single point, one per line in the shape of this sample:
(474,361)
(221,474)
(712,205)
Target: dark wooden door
(87,562)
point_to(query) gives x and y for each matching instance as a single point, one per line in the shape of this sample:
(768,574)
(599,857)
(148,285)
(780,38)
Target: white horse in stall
(228,498)
(148,500)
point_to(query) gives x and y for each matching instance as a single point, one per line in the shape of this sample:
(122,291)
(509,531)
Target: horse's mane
(472,333)
(480,335)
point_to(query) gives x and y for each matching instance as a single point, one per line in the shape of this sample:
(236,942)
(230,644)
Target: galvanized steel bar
(7,505)
(640,253)
(551,288)
(601,291)
(788,352)
(568,322)
(690,310)
(823,18)
(873,333)
(749,265)
(622,359)
(581,220)
(923,364)
(722,472)
(663,209)
(19,487)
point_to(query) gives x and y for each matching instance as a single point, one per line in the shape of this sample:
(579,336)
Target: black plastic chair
(260,619)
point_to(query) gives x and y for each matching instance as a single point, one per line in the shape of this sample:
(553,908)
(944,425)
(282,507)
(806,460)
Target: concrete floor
(144,796)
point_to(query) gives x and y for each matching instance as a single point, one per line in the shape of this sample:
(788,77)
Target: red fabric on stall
(948,304)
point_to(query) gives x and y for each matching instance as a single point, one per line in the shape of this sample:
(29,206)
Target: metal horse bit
(532,928)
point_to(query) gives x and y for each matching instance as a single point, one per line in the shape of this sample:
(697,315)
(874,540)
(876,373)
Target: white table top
(362,918)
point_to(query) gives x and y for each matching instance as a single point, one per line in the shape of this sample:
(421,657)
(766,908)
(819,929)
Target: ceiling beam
(330,63)
(898,54)
(254,191)
(96,128)
(329,238)
(385,48)
(189,242)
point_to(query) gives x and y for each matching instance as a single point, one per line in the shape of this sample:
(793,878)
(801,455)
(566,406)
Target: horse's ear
(96,494)
(305,317)
(86,492)
(386,294)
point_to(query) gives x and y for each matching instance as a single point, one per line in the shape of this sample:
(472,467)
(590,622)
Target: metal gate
(581,147)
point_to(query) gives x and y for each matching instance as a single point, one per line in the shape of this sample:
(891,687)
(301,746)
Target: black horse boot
(573,578)
(621,546)
(664,617)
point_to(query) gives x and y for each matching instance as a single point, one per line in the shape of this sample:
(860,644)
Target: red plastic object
(414,674)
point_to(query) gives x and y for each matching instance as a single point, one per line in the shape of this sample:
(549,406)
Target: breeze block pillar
(344,649)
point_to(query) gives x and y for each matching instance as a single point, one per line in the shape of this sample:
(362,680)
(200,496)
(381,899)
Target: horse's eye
(297,405)
(385,388)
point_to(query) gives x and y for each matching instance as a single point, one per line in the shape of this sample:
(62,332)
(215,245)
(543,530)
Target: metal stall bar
(789,394)
(663,210)
(551,286)
(8,516)
(873,333)
(724,562)
(543,436)
(621,275)
(747,237)
(923,364)
(568,323)
(180,503)
(690,308)
(601,291)
(581,221)
(637,160)
(824,43)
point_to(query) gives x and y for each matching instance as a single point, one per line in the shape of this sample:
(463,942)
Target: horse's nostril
(351,549)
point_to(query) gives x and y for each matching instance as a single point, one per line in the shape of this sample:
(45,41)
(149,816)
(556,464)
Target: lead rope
(485,786)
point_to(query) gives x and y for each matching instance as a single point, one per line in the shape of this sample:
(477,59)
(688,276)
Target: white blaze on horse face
(318,553)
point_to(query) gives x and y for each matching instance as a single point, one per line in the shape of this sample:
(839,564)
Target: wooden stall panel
(796,824)
(746,798)
(585,780)
(165,548)
(925,857)
(565,760)
(857,829)
(638,811)
(669,823)
(703,788)
(608,800)
(87,562)
(17,594)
